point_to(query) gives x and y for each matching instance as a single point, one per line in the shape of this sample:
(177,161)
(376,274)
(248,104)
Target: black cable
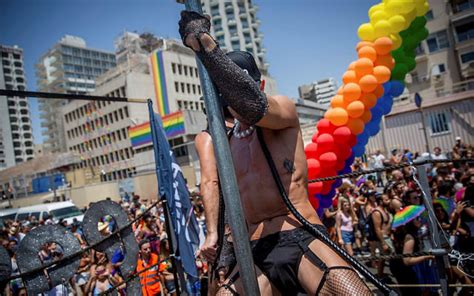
(315,231)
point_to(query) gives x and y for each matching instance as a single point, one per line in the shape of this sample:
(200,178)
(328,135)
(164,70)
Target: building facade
(68,67)
(16,136)
(445,60)
(235,26)
(320,91)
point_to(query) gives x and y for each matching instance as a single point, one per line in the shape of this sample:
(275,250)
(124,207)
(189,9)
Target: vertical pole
(227,178)
(384,136)
(174,252)
(427,200)
(425,134)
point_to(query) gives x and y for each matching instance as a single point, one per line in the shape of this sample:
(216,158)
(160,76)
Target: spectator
(150,279)
(379,160)
(437,155)
(345,225)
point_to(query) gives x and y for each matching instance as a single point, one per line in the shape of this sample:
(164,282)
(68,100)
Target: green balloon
(418,22)
(404,34)
(411,64)
(399,72)
(410,54)
(398,54)
(422,34)
(410,43)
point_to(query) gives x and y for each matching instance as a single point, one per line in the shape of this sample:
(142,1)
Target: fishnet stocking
(343,281)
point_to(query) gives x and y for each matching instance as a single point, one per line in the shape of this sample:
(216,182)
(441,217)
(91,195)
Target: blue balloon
(320,211)
(337,183)
(325,203)
(363,138)
(397,88)
(376,113)
(387,86)
(346,170)
(350,160)
(358,150)
(387,106)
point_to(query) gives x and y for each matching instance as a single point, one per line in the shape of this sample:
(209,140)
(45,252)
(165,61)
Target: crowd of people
(360,220)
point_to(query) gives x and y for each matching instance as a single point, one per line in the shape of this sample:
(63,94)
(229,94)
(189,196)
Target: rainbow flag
(173,124)
(140,135)
(406,215)
(159,81)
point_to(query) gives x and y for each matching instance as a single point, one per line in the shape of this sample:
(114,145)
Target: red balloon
(352,140)
(314,137)
(326,187)
(325,142)
(314,168)
(341,135)
(328,172)
(314,202)
(343,152)
(340,165)
(325,126)
(311,150)
(314,188)
(328,160)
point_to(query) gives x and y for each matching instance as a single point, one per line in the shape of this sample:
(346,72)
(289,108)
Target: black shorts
(279,255)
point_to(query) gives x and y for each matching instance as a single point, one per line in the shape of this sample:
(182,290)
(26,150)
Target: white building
(16,137)
(235,26)
(320,91)
(68,67)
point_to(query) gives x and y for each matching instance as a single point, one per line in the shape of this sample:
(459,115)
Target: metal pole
(227,178)
(384,138)
(427,200)
(423,124)
(174,252)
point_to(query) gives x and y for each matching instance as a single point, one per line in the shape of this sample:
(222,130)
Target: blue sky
(306,40)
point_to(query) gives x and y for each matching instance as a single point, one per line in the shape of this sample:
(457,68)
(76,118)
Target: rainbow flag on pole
(173,124)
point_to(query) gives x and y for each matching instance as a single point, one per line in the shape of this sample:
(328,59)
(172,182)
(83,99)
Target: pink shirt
(346,222)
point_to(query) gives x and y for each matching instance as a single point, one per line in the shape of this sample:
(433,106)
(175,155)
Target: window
(465,32)
(176,86)
(463,5)
(173,68)
(179,70)
(196,72)
(467,57)
(185,70)
(236,45)
(188,88)
(437,41)
(194,89)
(182,87)
(429,15)
(419,50)
(439,123)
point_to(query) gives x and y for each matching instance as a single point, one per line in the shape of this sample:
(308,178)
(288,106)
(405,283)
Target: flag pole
(178,272)
(227,178)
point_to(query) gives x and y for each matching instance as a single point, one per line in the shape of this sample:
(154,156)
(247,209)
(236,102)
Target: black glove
(193,23)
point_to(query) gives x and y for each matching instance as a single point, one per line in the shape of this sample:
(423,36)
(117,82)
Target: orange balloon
(382,73)
(351,92)
(366,116)
(337,116)
(368,83)
(369,100)
(362,44)
(338,101)
(383,45)
(385,60)
(356,125)
(364,66)
(378,92)
(367,52)
(352,66)
(349,76)
(339,90)
(355,109)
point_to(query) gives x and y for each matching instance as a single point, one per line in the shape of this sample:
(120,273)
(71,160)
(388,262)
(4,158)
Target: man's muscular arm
(250,105)
(209,192)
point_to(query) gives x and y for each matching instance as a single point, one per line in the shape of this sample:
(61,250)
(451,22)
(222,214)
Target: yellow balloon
(410,16)
(406,5)
(375,8)
(397,41)
(393,7)
(422,9)
(382,28)
(366,32)
(378,16)
(397,23)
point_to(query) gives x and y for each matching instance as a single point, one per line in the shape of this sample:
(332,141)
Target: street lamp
(418,102)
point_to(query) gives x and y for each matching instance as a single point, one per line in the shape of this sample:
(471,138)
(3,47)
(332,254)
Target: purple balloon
(320,211)
(337,183)
(325,203)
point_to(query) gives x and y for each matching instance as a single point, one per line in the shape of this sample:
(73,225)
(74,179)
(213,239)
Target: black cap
(245,60)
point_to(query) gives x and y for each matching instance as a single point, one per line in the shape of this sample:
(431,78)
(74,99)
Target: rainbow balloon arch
(386,53)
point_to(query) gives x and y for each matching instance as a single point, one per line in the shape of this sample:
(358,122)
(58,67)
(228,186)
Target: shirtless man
(291,258)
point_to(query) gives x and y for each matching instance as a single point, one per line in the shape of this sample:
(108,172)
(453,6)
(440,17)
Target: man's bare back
(263,206)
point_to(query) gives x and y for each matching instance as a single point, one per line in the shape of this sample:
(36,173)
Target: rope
(390,168)
(401,256)
(86,249)
(50,95)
